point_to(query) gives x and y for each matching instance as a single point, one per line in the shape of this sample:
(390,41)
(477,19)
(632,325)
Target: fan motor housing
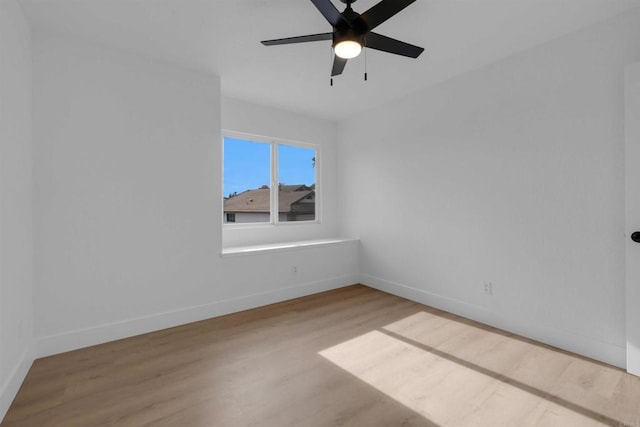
(348,34)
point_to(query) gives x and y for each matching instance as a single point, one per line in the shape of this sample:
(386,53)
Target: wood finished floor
(354,356)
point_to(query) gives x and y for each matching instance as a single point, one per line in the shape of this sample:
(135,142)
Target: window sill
(283,247)
(263,225)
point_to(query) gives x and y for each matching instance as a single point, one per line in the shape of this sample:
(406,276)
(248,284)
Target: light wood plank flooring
(354,356)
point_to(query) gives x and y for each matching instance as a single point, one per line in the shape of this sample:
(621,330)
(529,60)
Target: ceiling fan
(352,31)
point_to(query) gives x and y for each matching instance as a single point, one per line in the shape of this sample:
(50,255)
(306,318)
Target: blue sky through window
(247,165)
(295,165)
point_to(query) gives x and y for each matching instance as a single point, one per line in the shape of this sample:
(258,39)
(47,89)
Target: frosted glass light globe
(348,49)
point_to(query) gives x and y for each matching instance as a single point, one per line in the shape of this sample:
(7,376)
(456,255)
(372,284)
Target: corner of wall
(16,202)
(10,388)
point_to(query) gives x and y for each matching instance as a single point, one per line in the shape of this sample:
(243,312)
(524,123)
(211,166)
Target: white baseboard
(586,346)
(12,384)
(73,340)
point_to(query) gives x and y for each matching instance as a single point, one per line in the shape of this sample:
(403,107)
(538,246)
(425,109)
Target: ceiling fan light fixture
(352,32)
(348,49)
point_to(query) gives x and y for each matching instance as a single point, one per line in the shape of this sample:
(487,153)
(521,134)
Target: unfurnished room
(320,213)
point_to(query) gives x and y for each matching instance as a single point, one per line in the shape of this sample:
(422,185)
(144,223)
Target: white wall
(127,162)
(16,254)
(241,116)
(512,174)
(632,214)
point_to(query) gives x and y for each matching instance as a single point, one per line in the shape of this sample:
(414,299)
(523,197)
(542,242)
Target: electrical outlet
(294,269)
(486,288)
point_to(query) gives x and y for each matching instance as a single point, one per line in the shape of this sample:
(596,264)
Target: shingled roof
(258,200)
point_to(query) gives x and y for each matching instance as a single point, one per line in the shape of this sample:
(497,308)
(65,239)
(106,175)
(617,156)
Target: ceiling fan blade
(331,14)
(387,44)
(299,39)
(382,11)
(338,65)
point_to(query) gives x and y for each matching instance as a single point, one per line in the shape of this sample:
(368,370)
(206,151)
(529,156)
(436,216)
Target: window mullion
(274,182)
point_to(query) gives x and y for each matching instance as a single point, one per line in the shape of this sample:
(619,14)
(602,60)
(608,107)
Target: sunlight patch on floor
(421,361)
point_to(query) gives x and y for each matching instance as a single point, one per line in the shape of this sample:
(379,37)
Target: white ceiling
(222,36)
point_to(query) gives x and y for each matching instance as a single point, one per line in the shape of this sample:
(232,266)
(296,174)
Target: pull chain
(331,62)
(365,59)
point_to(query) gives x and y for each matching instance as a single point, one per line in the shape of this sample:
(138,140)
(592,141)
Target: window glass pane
(247,173)
(297,183)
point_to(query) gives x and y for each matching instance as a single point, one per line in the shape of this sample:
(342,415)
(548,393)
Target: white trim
(73,340)
(632,217)
(266,139)
(586,346)
(14,381)
(273,193)
(263,225)
(283,247)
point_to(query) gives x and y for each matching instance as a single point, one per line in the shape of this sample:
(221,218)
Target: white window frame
(274,208)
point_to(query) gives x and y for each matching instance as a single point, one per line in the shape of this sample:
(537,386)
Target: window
(268,181)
